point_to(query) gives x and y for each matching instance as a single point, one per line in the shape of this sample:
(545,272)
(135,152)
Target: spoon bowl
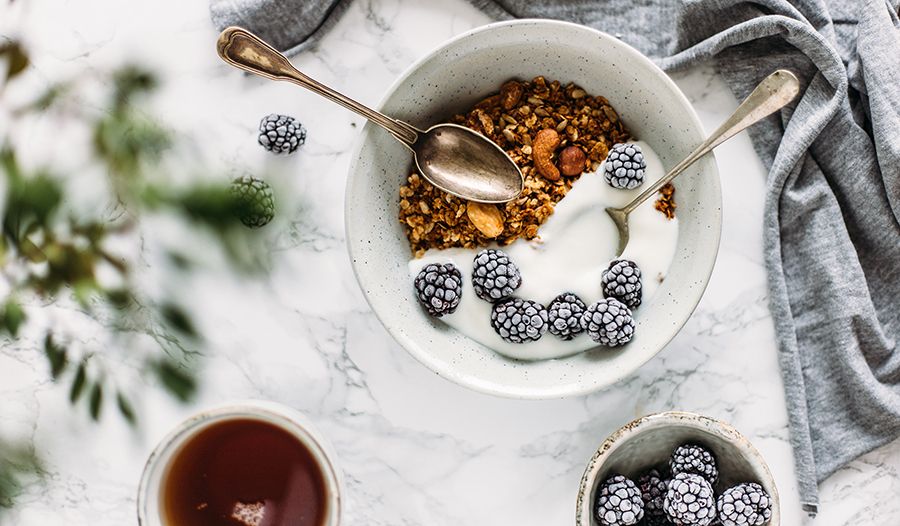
(454,158)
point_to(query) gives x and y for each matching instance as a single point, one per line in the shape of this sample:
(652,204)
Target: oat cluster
(666,201)
(512,118)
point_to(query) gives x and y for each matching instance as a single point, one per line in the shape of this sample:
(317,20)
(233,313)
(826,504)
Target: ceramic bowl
(648,442)
(450,80)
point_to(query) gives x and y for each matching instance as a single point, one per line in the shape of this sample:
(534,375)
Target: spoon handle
(773,93)
(244,50)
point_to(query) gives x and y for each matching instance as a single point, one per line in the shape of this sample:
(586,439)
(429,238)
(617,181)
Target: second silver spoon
(773,93)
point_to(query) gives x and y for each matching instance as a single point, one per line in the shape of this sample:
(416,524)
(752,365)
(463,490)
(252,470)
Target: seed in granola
(578,94)
(486,123)
(610,114)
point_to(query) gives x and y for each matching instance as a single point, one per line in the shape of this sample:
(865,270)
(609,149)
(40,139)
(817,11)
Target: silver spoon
(773,93)
(454,158)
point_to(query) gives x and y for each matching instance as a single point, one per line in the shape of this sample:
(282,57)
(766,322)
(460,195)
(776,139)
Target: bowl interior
(649,442)
(451,79)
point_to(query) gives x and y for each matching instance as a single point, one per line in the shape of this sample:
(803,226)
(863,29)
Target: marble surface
(414,448)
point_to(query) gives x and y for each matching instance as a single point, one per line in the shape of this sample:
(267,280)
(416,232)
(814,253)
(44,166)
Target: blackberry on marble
(690,500)
(439,288)
(625,166)
(622,280)
(281,134)
(494,275)
(694,458)
(519,321)
(564,314)
(608,322)
(619,502)
(746,504)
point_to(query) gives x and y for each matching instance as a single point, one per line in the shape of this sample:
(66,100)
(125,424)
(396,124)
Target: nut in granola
(487,218)
(545,144)
(571,161)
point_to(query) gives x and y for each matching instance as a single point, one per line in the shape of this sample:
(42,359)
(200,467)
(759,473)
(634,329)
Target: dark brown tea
(244,472)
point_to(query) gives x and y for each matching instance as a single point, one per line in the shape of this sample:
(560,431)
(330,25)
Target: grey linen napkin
(832,237)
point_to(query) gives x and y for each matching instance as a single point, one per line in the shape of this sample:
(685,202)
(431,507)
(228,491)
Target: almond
(487,218)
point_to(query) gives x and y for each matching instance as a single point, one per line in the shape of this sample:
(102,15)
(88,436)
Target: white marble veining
(414,448)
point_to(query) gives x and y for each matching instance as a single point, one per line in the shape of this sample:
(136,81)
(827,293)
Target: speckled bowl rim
(705,424)
(374,234)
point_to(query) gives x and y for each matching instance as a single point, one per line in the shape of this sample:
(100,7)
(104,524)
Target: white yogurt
(573,248)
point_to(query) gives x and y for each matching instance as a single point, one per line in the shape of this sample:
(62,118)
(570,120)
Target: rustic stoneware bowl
(648,442)
(450,80)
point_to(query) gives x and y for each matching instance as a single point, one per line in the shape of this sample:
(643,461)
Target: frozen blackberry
(281,134)
(494,276)
(519,321)
(622,280)
(619,502)
(608,322)
(439,288)
(746,504)
(659,520)
(653,491)
(690,501)
(694,458)
(625,166)
(254,202)
(564,315)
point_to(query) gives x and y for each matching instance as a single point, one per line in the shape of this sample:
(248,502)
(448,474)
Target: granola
(666,201)
(512,118)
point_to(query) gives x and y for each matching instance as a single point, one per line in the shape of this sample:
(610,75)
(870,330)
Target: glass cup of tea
(247,463)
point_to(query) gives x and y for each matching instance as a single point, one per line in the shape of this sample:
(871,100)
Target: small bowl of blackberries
(680,469)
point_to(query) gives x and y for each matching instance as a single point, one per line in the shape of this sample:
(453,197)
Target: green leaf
(12,317)
(16,58)
(49,98)
(179,319)
(8,162)
(178,382)
(31,201)
(78,383)
(56,355)
(16,462)
(119,298)
(126,408)
(129,81)
(123,141)
(213,205)
(96,400)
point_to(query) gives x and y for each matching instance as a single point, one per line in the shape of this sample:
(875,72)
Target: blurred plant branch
(54,258)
